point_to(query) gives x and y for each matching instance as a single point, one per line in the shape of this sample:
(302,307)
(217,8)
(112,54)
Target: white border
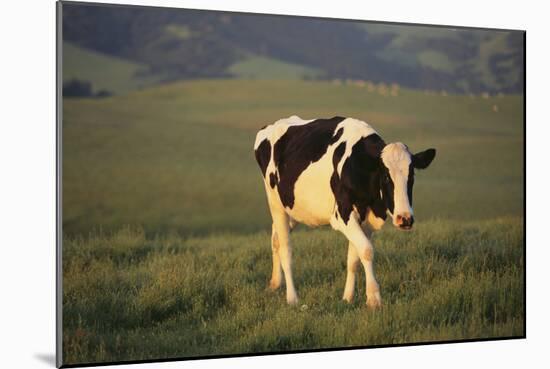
(27,148)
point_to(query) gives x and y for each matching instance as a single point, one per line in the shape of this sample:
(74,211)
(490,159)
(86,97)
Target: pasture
(166,247)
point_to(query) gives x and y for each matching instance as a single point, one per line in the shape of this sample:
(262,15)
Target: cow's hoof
(374,301)
(273,286)
(292,300)
(348,299)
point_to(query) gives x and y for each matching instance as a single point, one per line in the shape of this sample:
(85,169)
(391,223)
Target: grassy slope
(169,158)
(105,72)
(259,67)
(188,277)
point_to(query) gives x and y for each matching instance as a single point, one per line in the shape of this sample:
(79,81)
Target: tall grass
(130,297)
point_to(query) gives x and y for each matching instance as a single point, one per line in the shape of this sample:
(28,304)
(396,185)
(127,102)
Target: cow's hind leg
(353,261)
(276,275)
(282,228)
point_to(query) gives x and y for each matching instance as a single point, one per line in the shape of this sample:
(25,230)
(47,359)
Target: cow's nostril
(399,217)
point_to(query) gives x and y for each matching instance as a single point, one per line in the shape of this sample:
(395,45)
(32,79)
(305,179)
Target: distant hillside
(476,60)
(174,44)
(261,67)
(105,72)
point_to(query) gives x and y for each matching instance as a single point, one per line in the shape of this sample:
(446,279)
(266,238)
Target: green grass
(129,297)
(260,67)
(105,72)
(166,247)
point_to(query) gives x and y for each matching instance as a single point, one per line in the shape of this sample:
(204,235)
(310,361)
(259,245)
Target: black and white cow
(340,172)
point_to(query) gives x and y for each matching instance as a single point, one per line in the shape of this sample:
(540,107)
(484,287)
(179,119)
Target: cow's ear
(423,159)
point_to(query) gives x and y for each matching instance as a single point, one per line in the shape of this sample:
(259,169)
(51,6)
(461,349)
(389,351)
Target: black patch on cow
(359,183)
(338,153)
(335,179)
(337,135)
(299,147)
(263,155)
(273,179)
(387,188)
(410,184)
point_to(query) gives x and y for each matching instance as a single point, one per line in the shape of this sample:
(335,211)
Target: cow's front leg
(365,251)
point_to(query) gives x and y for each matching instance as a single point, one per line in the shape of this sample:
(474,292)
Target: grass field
(166,246)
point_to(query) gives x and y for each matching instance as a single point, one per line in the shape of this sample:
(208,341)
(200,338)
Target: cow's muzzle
(404,221)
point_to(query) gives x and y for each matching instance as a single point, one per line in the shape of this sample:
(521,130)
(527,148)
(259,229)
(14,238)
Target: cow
(335,171)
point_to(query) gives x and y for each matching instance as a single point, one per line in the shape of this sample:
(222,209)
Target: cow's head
(397,181)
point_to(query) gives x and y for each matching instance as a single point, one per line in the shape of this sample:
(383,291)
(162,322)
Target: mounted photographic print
(248,184)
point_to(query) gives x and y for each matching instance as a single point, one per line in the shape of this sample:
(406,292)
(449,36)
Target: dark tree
(77,88)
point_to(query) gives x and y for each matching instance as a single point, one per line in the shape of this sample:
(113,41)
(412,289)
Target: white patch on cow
(397,158)
(313,198)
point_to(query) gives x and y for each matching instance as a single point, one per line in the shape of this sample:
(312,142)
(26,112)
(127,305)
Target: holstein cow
(340,172)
